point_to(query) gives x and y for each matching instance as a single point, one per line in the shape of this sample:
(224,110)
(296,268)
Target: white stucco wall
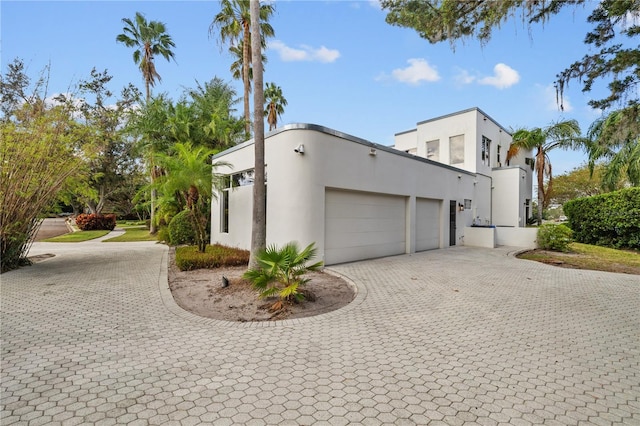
(296,185)
(406,141)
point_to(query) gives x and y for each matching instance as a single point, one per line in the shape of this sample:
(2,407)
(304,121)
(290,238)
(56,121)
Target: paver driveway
(452,336)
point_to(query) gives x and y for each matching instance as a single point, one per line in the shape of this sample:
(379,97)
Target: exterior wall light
(299,149)
(373,152)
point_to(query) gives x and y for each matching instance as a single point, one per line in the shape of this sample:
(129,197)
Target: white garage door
(427,224)
(363,225)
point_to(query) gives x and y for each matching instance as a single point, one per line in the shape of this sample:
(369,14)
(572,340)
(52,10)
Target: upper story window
(498,156)
(433,150)
(486,151)
(456,149)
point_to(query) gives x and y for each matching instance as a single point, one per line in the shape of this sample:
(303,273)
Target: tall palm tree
(234,25)
(148,39)
(236,67)
(275,104)
(613,139)
(562,134)
(259,211)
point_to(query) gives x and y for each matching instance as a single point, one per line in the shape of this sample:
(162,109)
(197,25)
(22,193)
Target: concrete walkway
(455,336)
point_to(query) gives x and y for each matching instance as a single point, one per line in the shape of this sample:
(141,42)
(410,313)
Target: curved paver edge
(171,305)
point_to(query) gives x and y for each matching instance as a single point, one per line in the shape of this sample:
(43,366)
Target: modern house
(358,200)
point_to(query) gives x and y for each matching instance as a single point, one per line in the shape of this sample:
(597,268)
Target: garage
(427,224)
(363,225)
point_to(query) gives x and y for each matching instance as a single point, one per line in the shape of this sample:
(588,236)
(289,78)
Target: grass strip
(132,234)
(77,237)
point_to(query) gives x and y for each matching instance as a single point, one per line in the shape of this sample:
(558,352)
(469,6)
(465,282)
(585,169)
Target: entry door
(452,222)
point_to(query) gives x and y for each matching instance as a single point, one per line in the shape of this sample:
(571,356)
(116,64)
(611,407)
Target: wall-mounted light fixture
(461,207)
(459,176)
(299,149)
(373,152)
(475,182)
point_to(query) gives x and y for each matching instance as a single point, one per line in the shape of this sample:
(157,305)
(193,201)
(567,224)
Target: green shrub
(611,219)
(190,258)
(96,222)
(554,237)
(181,229)
(163,234)
(280,271)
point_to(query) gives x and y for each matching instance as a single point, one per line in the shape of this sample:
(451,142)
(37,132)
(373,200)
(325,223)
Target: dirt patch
(201,292)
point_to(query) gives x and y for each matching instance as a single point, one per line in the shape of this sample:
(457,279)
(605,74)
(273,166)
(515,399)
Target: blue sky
(339,63)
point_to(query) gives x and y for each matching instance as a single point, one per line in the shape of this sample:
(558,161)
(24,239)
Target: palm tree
(562,134)
(212,106)
(259,211)
(149,39)
(275,104)
(234,24)
(612,139)
(188,176)
(151,124)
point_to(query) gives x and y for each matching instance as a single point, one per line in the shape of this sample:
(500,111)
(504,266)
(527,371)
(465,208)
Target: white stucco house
(358,200)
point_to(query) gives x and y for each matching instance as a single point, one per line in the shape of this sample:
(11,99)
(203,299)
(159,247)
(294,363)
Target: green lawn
(124,224)
(132,234)
(585,256)
(77,237)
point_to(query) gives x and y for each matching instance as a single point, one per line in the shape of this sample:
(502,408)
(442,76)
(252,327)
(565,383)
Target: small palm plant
(280,272)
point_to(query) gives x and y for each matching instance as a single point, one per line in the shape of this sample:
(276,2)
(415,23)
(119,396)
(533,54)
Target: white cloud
(463,77)
(417,72)
(304,53)
(503,76)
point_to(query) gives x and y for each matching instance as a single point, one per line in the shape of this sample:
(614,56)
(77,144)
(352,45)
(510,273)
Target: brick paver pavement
(455,336)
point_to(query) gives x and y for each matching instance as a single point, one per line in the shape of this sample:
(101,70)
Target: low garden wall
(500,236)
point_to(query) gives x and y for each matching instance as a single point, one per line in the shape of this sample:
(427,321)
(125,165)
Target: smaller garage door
(363,225)
(427,224)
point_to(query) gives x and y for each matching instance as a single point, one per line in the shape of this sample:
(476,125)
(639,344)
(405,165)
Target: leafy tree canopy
(577,183)
(615,22)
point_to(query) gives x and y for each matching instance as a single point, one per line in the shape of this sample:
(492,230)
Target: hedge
(189,258)
(96,222)
(611,219)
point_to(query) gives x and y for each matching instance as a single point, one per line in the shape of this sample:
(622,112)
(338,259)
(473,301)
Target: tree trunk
(152,219)
(259,226)
(246,59)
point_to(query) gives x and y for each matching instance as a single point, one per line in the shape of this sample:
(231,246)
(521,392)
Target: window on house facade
(224,213)
(456,149)
(530,161)
(486,151)
(244,178)
(498,155)
(433,150)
